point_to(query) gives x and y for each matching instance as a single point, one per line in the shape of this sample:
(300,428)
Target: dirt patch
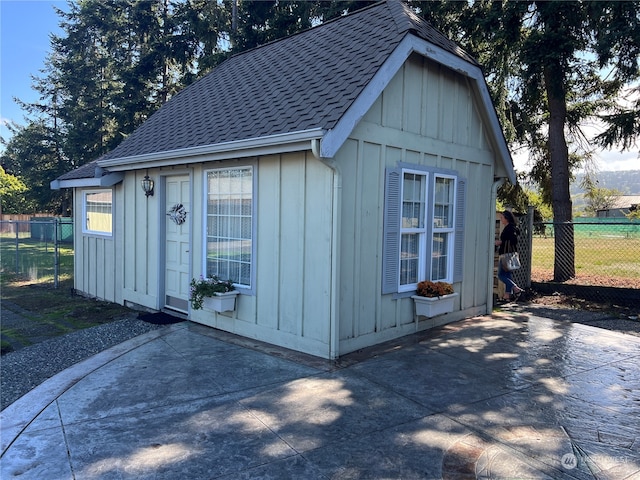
(573,302)
(544,276)
(559,306)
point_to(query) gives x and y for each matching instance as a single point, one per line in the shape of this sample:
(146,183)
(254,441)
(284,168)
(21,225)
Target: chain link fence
(37,250)
(603,260)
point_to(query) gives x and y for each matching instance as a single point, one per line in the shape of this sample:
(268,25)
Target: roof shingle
(302,82)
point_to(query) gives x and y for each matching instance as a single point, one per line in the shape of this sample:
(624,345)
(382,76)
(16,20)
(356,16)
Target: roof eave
(107,180)
(252,147)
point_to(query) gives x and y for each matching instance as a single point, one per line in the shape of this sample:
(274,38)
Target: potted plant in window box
(213,294)
(434,298)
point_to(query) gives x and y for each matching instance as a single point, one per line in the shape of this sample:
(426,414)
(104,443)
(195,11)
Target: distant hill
(627,182)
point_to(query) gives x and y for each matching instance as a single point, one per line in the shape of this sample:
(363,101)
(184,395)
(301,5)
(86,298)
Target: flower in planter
(428,288)
(207,287)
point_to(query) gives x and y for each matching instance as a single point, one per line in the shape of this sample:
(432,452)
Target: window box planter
(221,302)
(433,306)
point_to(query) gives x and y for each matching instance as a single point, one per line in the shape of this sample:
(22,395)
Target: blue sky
(25,26)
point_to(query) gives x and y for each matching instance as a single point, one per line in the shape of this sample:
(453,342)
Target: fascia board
(272,144)
(335,138)
(107,180)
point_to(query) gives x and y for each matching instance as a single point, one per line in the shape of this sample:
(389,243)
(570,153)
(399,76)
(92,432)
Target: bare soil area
(543,275)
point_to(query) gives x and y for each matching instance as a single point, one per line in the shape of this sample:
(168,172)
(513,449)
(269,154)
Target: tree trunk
(564,262)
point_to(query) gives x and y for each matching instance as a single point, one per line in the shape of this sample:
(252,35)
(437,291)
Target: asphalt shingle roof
(302,82)
(87,170)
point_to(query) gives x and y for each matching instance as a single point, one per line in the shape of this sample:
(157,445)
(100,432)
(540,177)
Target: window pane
(246,227)
(413,200)
(439,256)
(245,274)
(409,258)
(229,224)
(443,203)
(98,215)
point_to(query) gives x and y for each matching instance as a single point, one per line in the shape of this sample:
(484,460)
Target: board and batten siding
(426,116)
(291,305)
(139,259)
(122,268)
(95,269)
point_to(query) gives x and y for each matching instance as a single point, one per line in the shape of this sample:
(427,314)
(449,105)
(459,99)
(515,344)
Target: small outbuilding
(621,206)
(326,173)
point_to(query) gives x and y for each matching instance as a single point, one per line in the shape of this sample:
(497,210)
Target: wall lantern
(147,185)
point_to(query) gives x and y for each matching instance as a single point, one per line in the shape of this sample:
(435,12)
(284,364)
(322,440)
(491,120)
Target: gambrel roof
(312,86)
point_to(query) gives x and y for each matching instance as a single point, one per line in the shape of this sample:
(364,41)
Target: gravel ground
(28,367)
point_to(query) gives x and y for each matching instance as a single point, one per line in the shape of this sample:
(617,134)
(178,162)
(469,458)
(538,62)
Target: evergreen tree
(260,21)
(544,62)
(118,61)
(31,155)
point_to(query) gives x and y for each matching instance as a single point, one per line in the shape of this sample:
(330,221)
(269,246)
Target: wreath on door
(178,214)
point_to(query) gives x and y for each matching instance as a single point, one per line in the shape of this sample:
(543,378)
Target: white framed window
(97,212)
(443,228)
(423,227)
(413,229)
(230,224)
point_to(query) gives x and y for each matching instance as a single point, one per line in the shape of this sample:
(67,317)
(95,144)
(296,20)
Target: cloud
(616,161)
(606,160)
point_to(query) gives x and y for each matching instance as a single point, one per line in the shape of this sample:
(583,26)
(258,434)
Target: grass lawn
(50,311)
(618,258)
(33,260)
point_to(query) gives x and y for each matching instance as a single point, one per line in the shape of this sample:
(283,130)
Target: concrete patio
(502,396)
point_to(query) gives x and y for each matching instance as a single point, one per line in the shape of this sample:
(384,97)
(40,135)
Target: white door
(177,238)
